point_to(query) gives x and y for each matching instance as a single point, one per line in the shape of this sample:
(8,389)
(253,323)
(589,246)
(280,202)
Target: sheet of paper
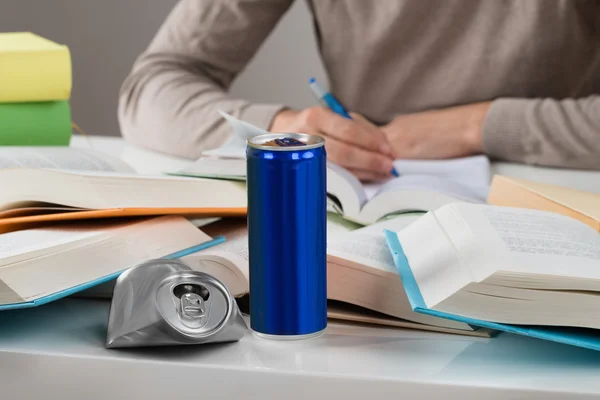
(236,146)
(63,158)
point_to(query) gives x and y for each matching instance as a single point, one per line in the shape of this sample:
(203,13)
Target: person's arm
(170,101)
(562,133)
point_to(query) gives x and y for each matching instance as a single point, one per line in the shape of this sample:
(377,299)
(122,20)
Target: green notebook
(35,124)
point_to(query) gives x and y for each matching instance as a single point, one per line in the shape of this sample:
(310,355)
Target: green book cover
(35,124)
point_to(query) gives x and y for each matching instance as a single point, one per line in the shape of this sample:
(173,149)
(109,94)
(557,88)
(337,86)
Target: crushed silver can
(165,303)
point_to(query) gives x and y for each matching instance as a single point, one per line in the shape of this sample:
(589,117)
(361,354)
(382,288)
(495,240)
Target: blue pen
(326,99)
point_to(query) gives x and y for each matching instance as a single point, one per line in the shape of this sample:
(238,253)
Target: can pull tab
(192,307)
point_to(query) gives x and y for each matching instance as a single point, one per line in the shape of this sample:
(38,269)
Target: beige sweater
(539,61)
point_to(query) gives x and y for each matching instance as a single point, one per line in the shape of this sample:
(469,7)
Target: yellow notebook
(33,69)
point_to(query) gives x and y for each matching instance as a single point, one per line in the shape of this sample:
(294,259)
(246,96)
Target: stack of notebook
(35,87)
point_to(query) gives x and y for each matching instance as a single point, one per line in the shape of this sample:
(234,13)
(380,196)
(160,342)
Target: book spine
(35,75)
(35,124)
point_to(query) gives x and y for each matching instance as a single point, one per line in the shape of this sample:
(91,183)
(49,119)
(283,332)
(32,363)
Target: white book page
(367,246)
(346,188)
(119,247)
(434,261)
(472,171)
(468,177)
(63,158)
(545,243)
(217,167)
(234,272)
(434,184)
(148,162)
(235,247)
(470,242)
(23,242)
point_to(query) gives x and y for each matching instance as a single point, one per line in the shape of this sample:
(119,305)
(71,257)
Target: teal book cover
(580,337)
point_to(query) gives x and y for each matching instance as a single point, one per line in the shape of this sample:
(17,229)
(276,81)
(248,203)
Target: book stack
(35,87)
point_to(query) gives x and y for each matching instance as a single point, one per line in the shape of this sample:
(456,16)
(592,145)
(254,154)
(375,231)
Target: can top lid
(286,141)
(193,316)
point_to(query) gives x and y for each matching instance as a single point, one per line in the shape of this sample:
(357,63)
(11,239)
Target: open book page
(64,158)
(235,247)
(471,171)
(415,193)
(434,261)
(227,262)
(28,241)
(147,162)
(435,184)
(465,178)
(474,243)
(346,188)
(367,246)
(336,225)
(118,246)
(544,243)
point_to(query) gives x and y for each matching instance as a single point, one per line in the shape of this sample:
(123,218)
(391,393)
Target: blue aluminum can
(287,223)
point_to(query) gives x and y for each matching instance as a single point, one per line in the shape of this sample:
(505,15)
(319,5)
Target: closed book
(33,69)
(35,124)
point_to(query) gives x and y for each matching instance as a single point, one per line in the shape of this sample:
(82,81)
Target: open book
(423,185)
(492,266)
(360,272)
(44,264)
(59,183)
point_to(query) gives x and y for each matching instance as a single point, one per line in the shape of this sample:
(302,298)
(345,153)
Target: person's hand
(355,144)
(437,134)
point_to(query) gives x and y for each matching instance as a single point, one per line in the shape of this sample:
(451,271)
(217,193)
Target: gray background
(105,36)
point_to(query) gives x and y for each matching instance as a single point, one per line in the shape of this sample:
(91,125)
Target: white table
(57,351)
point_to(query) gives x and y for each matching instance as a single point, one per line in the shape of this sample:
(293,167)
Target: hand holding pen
(355,143)
(328,100)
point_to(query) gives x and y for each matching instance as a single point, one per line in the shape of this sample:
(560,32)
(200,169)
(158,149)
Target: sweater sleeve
(561,133)
(170,100)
